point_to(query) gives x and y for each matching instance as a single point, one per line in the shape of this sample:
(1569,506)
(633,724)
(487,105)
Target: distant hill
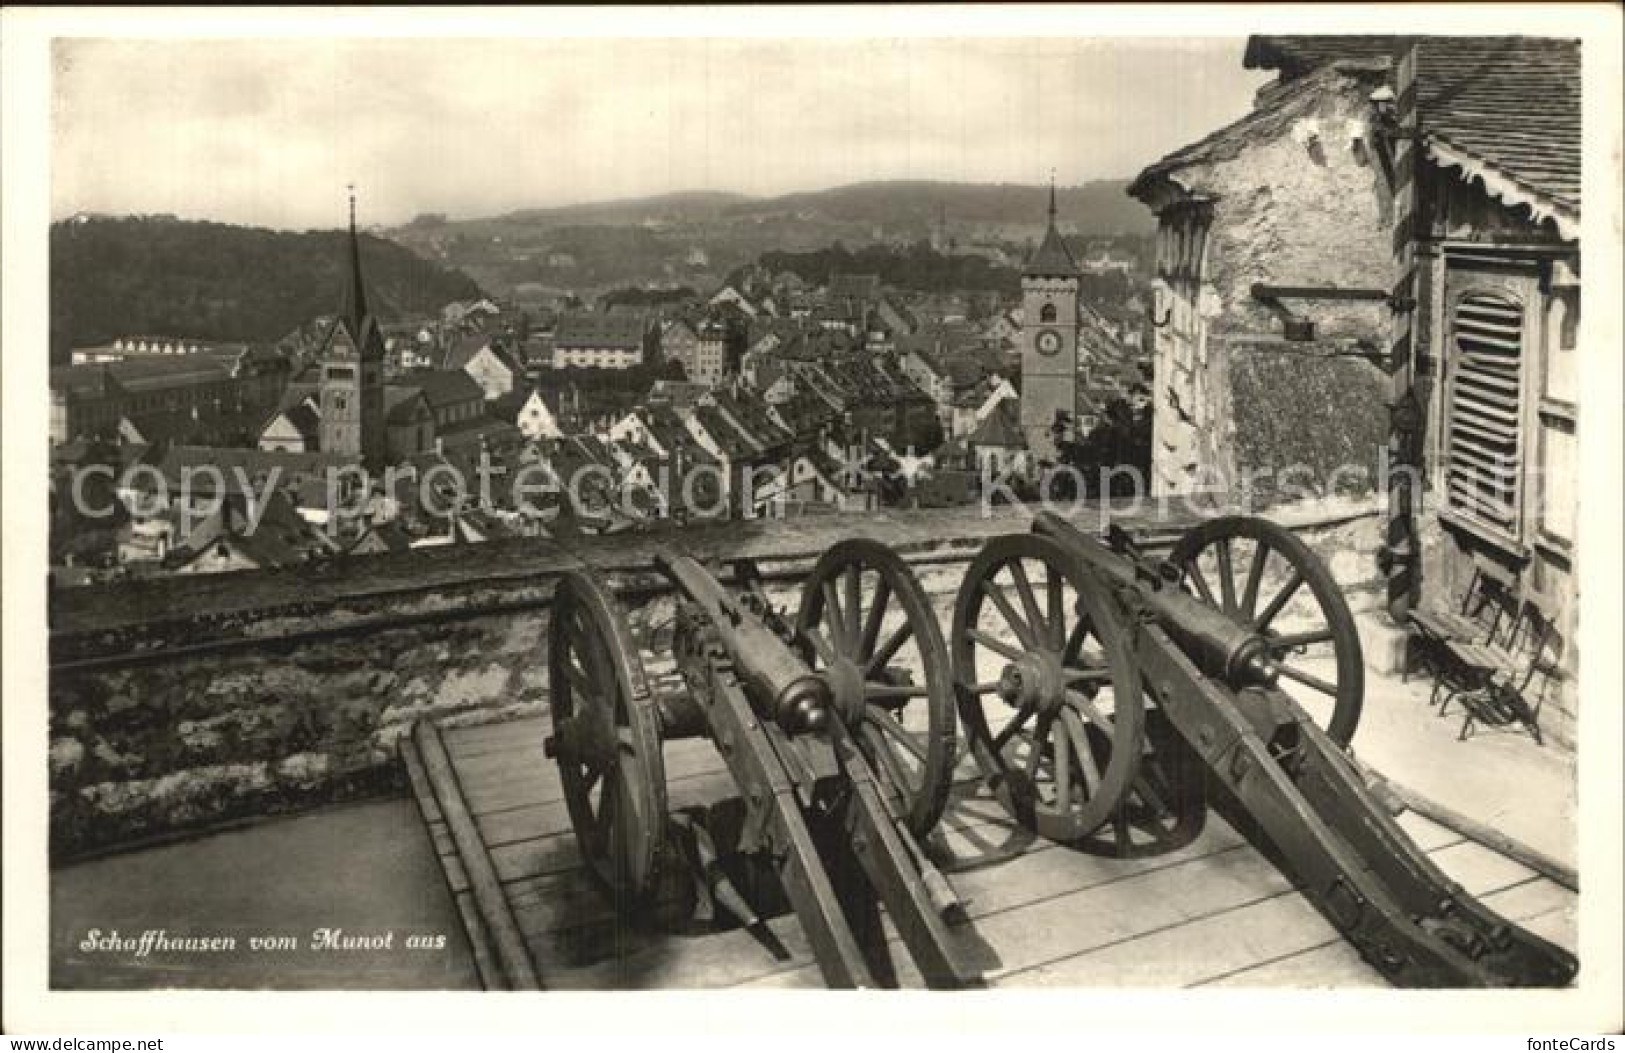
(696,237)
(160,275)
(687,206)
(1097,208)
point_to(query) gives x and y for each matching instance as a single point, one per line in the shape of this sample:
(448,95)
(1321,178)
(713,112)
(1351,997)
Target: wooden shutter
(1485,447)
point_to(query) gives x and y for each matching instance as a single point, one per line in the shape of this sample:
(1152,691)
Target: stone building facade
(1290,195)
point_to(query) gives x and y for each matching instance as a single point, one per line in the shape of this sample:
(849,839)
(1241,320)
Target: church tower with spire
(1049,339)
(352,371)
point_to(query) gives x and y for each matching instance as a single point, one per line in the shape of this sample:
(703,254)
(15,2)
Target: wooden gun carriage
(1107,698)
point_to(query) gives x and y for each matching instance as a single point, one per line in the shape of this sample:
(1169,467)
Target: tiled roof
(1504,109)
(999,428)
(464,348)
(753,419)
(1297,55)
(301,415)
(1053,257)
(854,286)
(734,446)
(585,329)
(442,387)
(280,537)
(86,381)
(237,465)
(402,403)
(1299,98)
(1512,103)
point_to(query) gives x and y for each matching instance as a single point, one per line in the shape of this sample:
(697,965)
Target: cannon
(837,729)
(1108,696)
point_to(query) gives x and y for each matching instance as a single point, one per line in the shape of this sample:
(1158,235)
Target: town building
(680,343)
(1487,397)
(709,364)
(487,362)
(1049,341)
(89,400)
(1292,194)
(586,339)
(351,392)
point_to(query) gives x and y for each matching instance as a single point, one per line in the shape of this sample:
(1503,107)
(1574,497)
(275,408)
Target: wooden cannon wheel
(606,738)
(866,625)
(1052,705)
(1234,563)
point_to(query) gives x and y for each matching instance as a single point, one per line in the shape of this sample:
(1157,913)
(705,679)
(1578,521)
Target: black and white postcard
(721,499)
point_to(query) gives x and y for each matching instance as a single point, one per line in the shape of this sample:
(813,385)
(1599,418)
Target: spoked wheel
(1256,572)
(1047,689)
(1165,806)
(606,738)
(866,624)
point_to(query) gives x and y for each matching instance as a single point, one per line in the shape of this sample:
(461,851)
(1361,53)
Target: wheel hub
(845,678)
(1036,680)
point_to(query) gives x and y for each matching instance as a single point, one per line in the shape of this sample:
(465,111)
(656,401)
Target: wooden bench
(1451,643)
(1514,678)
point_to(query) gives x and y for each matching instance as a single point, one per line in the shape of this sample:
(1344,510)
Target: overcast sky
(269,132)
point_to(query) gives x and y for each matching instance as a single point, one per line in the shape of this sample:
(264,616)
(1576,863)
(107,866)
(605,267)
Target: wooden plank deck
(1213,913)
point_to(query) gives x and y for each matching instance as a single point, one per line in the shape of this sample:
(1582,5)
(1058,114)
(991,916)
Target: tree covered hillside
(170,277)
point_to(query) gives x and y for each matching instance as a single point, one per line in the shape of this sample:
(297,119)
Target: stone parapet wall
(190,740)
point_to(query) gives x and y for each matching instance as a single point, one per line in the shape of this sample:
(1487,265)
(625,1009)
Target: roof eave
(1504,187)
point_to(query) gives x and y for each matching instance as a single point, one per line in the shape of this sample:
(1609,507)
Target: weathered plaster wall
(148,749)
(1299,199)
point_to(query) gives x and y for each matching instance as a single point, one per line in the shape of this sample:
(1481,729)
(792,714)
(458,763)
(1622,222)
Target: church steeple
(1051,202)
(353,309)
(352,365)
(1053,258)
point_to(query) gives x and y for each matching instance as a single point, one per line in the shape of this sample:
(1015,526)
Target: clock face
(1048,342)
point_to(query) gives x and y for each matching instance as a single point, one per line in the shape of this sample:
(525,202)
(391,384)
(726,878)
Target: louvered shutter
(1485,448)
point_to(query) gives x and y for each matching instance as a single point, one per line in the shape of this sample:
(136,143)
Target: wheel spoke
(1120,831)
(1255,577)
(1281,599)
(1153,799)
(591,772)
(889,649)
(579,681)
(982,688)
(1074,641)
(994,644)
(1063,768)
(1057,606)
(1193,574)
(1227,580)
(1085,705)
(885,757)
(891,692)
(821,644)
(995,592)
(1040,734)
(852,605)
(1324,687)
(1290,640)
(1029,601)
(889,724)
(1096,674)
(877,614)
(1087,767)
(1005,733)
(835,616)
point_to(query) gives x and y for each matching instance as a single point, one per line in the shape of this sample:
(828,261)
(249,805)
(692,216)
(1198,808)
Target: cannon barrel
(1219,645)
(774,676)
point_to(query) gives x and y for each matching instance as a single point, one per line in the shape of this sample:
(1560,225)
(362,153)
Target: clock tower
(1049,339)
